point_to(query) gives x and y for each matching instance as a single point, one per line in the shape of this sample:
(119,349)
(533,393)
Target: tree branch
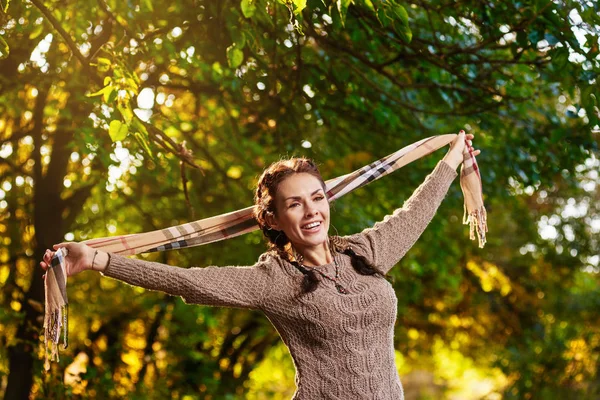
(72,45)
(15,168)
(75,202)
(156,134)
(169,145)
(416,109)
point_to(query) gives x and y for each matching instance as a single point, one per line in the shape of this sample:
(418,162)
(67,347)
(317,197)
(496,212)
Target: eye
(319,198)
(293,205)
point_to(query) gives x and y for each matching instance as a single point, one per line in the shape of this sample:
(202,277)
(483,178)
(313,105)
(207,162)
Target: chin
(320,239)
(316,239)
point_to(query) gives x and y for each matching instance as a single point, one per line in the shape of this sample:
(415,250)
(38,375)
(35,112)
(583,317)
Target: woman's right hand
(463,143)
(78,259)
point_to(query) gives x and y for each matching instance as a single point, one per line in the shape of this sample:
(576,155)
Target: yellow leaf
(117,130)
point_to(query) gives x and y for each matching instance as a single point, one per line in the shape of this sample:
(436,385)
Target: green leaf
(342,7)
(299,5)
(117,130)
(248,8)
(217,70)
(369,5)
(382,17)
(103,64)
(126,112)
(401,13)
(99,92)
(235,56)
(143,143)
(37,31)
(122,21)
(148,4)
(560,57)
(404,32)
(238,37)
(4,49)
(111,97)
(587,96)
(137,125)
(108,93)
(132,86)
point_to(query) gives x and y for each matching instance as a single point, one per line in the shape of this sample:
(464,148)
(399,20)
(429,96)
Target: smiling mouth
(311,226)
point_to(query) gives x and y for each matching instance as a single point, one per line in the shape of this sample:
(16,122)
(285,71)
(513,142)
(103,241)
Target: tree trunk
(49,230)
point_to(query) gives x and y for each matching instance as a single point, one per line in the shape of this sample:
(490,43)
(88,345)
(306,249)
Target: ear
(272,221)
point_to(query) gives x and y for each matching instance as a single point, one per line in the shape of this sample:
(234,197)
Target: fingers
(64,246)
(48,255)
(468,140)
(47,258)
(472,152)
(468,137)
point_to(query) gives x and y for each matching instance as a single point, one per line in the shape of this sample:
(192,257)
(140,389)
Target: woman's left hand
(463,143)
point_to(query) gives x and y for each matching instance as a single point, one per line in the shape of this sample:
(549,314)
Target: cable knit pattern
(341,344)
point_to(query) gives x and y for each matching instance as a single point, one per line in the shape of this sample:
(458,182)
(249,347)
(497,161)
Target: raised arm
(388,241)
(242,287)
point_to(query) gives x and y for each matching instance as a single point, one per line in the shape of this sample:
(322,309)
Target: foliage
(120,117)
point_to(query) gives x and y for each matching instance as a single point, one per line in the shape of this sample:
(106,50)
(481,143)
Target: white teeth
(311,225)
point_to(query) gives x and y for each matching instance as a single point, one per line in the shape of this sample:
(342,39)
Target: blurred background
(126,116)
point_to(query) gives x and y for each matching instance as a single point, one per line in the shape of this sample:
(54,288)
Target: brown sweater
(341,344)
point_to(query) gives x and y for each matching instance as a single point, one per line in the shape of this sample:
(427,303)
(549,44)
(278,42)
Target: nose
(311,211)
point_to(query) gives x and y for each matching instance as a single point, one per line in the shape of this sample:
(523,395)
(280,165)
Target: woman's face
(302,211)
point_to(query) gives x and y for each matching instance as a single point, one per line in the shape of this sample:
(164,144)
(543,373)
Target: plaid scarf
(239,222)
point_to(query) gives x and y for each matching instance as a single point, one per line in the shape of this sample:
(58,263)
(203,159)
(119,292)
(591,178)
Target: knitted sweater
(341,344)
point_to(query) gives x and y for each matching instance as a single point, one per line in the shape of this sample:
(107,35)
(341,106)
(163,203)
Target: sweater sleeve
(242,287)
(388,240)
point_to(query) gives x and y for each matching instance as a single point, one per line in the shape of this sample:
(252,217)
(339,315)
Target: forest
(121,117)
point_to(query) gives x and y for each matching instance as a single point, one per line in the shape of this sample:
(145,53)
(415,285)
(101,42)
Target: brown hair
(264,203)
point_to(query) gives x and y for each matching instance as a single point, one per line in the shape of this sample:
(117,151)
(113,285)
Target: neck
(316,256)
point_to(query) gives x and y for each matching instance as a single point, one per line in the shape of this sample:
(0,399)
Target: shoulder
(358,242)
(275,265)
(269,262)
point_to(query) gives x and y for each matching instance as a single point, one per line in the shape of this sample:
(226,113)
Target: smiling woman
(303,213)
(327,296)
(293,212)
(291,207)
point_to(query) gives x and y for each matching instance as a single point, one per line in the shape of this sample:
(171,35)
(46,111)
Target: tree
(112,111)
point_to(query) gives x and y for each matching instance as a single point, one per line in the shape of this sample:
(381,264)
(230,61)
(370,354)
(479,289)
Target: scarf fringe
(477,221)
(55,321)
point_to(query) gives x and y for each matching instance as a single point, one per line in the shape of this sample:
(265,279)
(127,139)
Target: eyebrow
(298,197)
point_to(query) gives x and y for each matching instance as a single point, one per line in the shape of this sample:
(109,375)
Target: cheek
(326,210)
(289,219)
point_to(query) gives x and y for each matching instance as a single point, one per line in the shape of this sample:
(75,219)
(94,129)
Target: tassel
(56,313)
(477,220)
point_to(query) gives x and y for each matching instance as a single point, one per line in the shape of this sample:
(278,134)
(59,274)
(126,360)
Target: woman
(326,296)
